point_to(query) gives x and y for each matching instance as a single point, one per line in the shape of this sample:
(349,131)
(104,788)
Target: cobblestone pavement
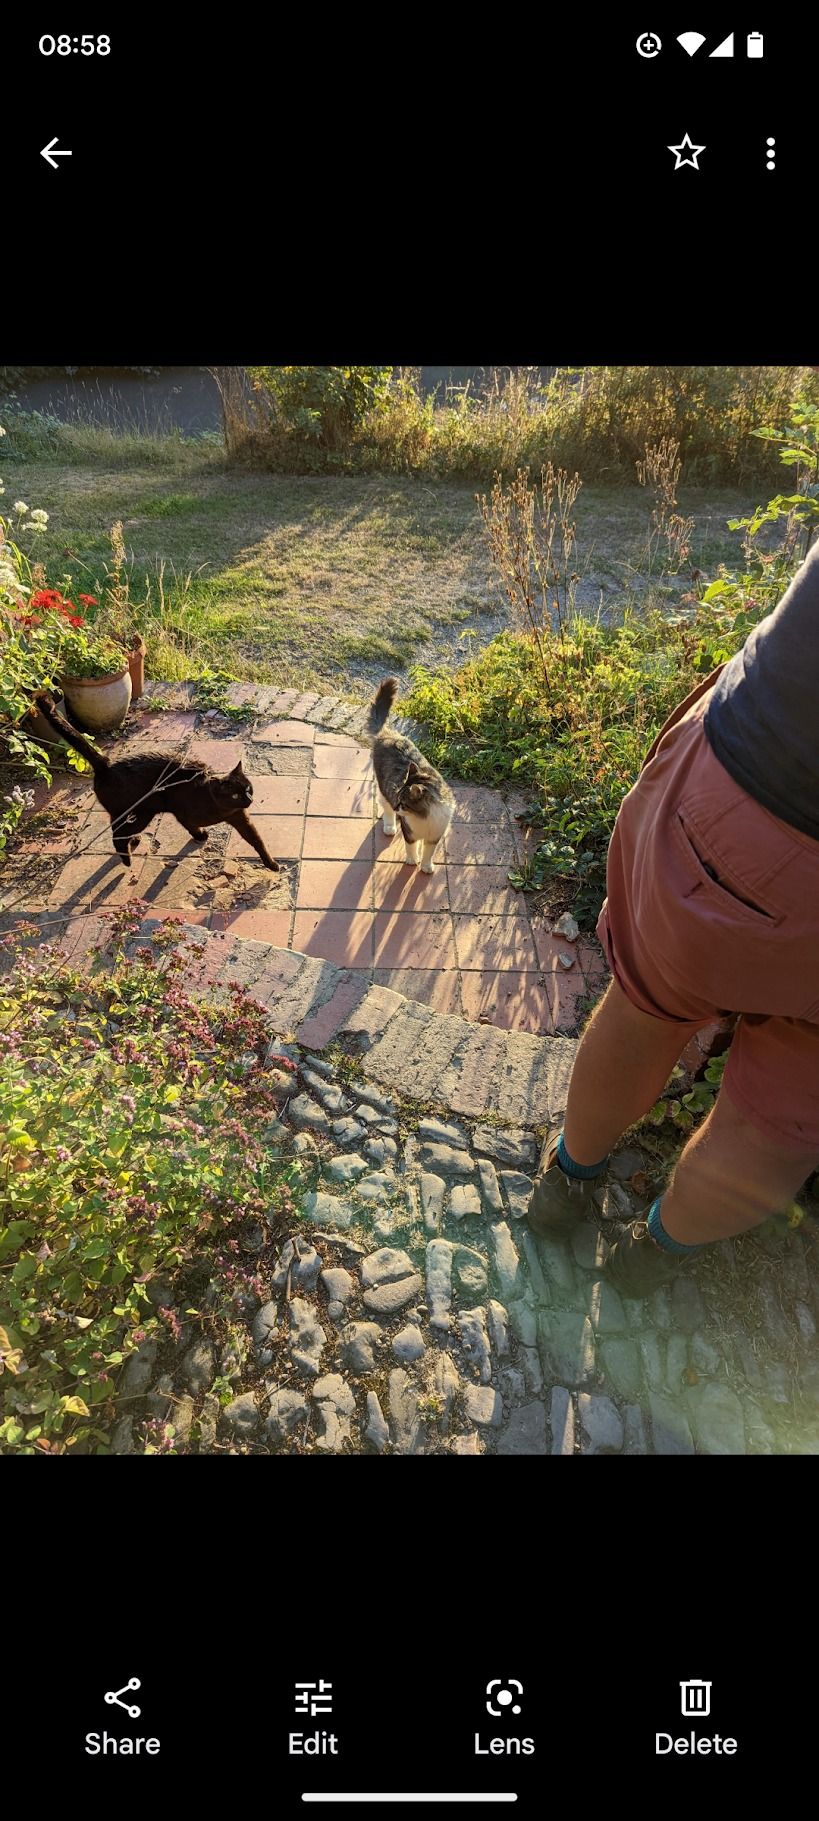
(410,1310)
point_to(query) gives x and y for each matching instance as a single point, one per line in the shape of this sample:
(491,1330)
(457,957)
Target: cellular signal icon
(696,1698)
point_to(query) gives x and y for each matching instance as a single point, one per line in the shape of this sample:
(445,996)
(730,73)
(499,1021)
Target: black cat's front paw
(272,866)
(199,834)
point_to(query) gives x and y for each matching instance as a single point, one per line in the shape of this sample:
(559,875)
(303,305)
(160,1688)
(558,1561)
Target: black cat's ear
(237,771)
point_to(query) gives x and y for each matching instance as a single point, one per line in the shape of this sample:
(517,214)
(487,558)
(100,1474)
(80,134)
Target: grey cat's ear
(412,773)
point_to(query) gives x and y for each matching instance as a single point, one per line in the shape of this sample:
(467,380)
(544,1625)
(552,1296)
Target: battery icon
(696,1698)
(755,44)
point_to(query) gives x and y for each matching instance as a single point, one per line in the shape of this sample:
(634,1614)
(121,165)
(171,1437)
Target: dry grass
(325,581)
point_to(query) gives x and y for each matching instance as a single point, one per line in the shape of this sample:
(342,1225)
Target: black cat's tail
(381,704)
(96,760)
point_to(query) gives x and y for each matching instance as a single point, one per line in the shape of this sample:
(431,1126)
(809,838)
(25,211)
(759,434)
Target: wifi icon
(691,41)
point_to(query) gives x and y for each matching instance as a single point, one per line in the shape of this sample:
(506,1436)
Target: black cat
(135,790)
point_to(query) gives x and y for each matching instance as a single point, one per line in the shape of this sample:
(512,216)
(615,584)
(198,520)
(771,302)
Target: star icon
(693,151)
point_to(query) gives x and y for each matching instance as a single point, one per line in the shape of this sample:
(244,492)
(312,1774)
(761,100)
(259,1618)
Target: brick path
(461,940)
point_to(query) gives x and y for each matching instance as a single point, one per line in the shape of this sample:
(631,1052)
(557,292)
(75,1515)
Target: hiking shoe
(636,1265)
(558,1201)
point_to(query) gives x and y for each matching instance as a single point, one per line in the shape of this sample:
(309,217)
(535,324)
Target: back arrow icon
(49,149)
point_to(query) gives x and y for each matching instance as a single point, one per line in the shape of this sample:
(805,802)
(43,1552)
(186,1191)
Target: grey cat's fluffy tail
(381,704)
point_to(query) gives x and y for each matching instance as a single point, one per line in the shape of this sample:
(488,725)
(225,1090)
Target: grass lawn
(322,581)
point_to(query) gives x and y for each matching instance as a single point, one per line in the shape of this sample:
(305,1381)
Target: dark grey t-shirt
(762,719)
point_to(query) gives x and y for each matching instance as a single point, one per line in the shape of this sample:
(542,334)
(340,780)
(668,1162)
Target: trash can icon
(696,1698)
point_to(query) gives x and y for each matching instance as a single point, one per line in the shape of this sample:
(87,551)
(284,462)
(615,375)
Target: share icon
(113,1700)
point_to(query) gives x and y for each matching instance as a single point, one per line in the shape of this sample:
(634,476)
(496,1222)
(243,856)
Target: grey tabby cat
(413,795)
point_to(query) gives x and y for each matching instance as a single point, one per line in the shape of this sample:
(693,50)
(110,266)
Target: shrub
(595,419)
(321,406)
(130,1151)
(568,706)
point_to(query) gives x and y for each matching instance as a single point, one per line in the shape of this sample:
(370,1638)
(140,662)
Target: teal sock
(658,1232)
(582,1172)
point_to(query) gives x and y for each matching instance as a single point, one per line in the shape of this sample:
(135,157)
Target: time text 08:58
(64,46)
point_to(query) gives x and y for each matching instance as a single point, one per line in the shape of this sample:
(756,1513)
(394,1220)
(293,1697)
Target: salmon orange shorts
(713,909)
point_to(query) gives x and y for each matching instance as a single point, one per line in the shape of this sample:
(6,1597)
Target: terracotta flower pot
(99,703)
(136,665)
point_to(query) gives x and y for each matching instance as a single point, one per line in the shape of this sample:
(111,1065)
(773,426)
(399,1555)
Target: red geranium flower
(87,600)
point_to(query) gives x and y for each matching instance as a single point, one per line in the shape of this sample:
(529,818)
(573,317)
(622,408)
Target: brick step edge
(475,1070)
(339,714)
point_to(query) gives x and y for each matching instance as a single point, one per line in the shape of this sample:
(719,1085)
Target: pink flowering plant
(132,1160)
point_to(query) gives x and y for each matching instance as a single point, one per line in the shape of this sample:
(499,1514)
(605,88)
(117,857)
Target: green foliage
(29,656)
(580,747)
(130,1117)
(212,692)
(83,655)
(570,706)
(325,405)
(683,1111)
(596,419)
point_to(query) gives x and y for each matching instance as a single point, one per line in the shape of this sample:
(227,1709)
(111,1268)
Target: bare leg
(730,1177)
(243,825)
(427,851)
(622,1065)
(389,824)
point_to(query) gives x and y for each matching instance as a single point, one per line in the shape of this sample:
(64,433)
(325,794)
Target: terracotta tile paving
(341,762)
(256,926)
(505,943)
(478,845)
(166,837)
(278,796)
(437,987)
(344,937)
(282,836)
(414,939)
(341,796)
(221,755)
(338,838)
(335,885)
(513,1000)
(399,887)
(284,733)
(482,890)
(459,939)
